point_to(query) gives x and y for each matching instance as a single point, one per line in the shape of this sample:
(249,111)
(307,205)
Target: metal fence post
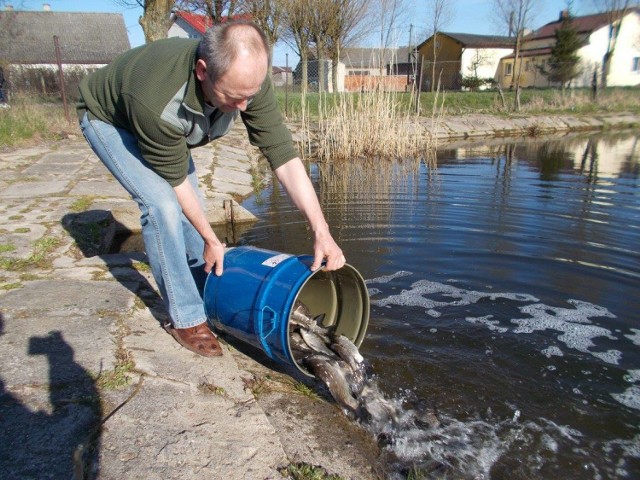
(61,78)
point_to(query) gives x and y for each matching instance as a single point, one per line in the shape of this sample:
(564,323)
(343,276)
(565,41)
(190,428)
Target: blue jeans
(173,246)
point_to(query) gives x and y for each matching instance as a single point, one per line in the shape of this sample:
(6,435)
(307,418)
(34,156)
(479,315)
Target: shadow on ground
(98,233)
(61,438)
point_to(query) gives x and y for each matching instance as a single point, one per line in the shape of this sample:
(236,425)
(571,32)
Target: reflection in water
(504,288)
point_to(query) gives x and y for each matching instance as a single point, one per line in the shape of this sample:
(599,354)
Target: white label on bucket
(275,260)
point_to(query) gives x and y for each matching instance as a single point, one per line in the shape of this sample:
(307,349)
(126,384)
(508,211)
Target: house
(193,25)
(393,69)
(363,69)
(593,31)
(281,76)
(459,55)
(86,40)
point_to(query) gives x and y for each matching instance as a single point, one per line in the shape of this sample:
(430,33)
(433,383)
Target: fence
(366,83)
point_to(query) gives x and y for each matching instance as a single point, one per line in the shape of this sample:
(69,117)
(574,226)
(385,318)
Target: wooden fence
(367,83)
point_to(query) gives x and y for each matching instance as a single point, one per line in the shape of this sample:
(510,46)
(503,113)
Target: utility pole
(409,56)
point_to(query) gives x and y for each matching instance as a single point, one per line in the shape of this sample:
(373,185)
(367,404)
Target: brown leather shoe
(199,339)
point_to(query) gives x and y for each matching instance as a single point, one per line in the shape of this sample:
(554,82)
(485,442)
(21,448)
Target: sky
(467,16)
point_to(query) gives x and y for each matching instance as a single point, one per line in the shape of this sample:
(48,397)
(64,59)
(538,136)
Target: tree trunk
(155,21)
(433,65)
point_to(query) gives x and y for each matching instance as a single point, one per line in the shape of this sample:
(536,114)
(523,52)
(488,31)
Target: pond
(505,294)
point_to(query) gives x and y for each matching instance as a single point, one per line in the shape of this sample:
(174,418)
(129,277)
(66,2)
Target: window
(508,68)
(635,66)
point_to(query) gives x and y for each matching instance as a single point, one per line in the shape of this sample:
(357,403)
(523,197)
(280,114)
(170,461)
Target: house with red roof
(193,25)
(593,31)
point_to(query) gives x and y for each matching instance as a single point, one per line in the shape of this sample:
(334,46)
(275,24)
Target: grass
(305,471)
(116,378)
(32,119)
(38,258)
(7,247)
(533,101)
(82,203)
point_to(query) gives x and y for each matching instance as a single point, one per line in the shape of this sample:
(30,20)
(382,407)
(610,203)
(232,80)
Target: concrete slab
(35,189)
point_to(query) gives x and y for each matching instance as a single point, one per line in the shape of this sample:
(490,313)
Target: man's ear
(201,69)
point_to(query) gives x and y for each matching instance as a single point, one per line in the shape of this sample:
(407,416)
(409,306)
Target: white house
(593,31)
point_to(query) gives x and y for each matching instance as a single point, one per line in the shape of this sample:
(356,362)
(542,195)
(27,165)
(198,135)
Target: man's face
(235,89)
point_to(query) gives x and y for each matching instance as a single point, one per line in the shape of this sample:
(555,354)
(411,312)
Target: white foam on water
(388,278)
(630,397)
(577,330)
(416,296)
(632,376)
(492,325)
(552,351)
(610,356)
(635,336)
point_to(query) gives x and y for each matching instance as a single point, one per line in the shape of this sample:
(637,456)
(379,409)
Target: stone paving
(90,384)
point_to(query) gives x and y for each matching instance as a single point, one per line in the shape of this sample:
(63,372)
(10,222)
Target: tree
(564,62)
(297,33)
(387,16)
(156,19)
(345,17)
(216,10)
(269,16)
(516,15)
(615,10)
(439,12)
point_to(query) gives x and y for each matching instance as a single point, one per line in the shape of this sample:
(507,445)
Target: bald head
(223,44)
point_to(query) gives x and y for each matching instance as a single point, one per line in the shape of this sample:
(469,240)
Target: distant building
(193,25)
(459,55)
(593,31)
(282,76)
(363,69)
(86,40)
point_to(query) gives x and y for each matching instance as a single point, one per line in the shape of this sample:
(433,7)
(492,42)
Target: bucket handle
(267,324)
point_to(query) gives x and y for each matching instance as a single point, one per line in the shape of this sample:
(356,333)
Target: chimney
(46,7)
(563,14)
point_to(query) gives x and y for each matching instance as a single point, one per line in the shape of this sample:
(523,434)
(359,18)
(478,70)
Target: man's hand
(214,257)
(325,247)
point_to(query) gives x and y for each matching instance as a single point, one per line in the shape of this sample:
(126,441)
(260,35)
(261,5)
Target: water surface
(505,291)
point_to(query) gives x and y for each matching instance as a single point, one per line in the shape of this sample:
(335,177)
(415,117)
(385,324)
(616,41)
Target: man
(3,100)
(141,115)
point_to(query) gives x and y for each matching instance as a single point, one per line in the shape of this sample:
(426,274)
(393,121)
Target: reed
(378,124)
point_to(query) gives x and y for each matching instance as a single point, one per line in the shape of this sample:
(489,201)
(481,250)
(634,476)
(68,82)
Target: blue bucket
(253,298)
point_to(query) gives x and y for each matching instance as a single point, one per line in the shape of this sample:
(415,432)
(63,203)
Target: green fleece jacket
(152,91)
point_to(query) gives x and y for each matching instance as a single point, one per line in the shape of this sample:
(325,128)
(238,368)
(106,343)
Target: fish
(316,342)
(328,370)
(347,351)
(301,316)
(357,373)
